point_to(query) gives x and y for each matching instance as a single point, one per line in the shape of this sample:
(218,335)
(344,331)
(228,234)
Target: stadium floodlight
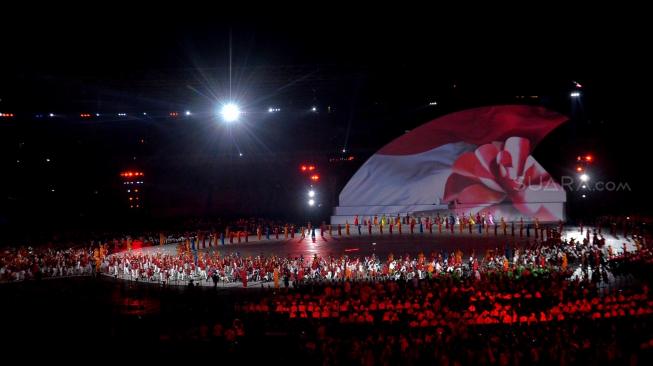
(230,112)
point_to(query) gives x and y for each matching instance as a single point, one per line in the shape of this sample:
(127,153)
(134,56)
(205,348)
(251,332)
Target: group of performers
(448,223)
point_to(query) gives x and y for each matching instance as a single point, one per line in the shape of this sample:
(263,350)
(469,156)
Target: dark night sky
(376,73)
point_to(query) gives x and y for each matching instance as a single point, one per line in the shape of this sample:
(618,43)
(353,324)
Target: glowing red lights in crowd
(315,177)
(586,158)
(85,115)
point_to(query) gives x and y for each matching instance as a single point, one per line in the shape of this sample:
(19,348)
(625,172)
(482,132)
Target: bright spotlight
(188,113)
(311,202)
(314,109)
(51,114)
(311,193)
(584,196)
(230,112)
(584,186)
(584,177)
(575,94)
(240,154)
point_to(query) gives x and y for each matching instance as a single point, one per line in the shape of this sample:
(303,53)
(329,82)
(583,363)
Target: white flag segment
(416,179)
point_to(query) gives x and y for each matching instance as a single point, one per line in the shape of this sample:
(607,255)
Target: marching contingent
(198,260)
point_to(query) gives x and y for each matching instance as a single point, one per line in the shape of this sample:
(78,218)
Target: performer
(369,226)
(521,227)
(512,228)
(412,226)
(359,229)
(292,231)
(461,223)
(503,225)
(470,223)
(339,230)
(391,225)
(452,220)
(285,231)
(399,226)
(376,220)
(356,220)
(275,276)
(347,227)
(267,232)
(421,226)
(383,220)
(439,219)
(381,227)
(221,238)
(330,228)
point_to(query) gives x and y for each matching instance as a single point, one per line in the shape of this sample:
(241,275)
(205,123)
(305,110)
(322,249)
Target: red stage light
(311,167)
(315,177)
(579,169)
(588,158)
(303,168)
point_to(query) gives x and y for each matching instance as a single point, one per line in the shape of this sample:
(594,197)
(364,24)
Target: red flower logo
(503,173)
